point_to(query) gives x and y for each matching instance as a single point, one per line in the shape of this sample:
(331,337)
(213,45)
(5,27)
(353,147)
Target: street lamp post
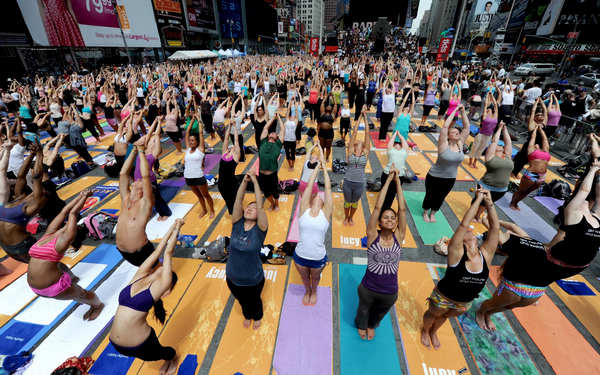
(230,22)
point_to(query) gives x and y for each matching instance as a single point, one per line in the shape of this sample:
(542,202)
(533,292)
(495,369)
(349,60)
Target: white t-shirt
(193,164)
(313,230)
(16,159)
(139,92)
(464,84)
(501,73)
(290,131)
(389,103)
(532,94)
(508,97)
(345,112)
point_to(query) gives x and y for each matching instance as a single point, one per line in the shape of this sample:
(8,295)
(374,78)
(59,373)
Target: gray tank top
(447,164)
(355,171)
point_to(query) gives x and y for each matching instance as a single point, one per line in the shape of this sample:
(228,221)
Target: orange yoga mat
(418,163)
(326,276)
(423,142)
(17,268)
(585,308)
(409,240)
(476,172)
(345,236)
(565,349)
(194,225)
(70,161)
(78,185)
(286,174)
(414,286)
(247,350)
(459,202)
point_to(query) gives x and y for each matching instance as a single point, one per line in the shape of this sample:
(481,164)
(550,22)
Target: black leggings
(520,159)
(370,96)
(290,150)
(83,153)
(436,191)
(372,307)
(139,256)
(386,119)
(241,143)
(160,205)
(228,189)
(358,110)
(391,193)
(249,299)
(149,350)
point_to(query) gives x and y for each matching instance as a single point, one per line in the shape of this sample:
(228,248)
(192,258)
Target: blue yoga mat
(527,219)
(575,288)
(19,334)
(111,362)
(189,365)
(357,356)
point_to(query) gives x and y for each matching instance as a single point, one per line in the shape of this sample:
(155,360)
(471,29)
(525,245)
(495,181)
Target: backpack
(288,186)
(216,251)
(100,225)
(557,189)
(79,168)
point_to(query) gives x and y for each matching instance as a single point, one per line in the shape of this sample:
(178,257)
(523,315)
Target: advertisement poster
(91,23)
(483,13)
(201,14)
(582,16)
(168,8)
(314,46)
(547,22)
(444,50)
(230,12)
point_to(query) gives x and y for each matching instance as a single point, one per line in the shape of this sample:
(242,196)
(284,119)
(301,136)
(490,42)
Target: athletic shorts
(326,133)
(353,191)
(175,136)
(149,350)
(269,184)
(520,289)
(139,256)
(196,181)
(309,262)
(440,301)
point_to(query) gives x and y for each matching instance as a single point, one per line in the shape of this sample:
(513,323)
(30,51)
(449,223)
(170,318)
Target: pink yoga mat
(294,233)
(304,340)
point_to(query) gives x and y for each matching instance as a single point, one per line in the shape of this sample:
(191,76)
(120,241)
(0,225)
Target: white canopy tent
(192,55)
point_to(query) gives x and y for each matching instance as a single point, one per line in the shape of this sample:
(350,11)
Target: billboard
(230,14)
(482,14)
(200,15)
(314,46)
(168,9)
(546,23)
(91,23)
(444,49)
(579,15)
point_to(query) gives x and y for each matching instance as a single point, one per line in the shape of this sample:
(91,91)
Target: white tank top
(345,112)
(312,236)
(193,164)
(290,131)
(389,103)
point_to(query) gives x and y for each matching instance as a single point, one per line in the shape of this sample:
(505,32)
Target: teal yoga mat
(357,356)
(430,232)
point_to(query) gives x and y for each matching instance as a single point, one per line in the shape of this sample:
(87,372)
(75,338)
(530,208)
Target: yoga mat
(223,227)
(554,162)
(250,160)
(461,174)
(99,194)
(171,159)
(61,343)
(295,174)
(17,269)
(28,327)
(279,221)
(430,232)
(357,356)
(294,233)
(19,292)
(414,287)
(194,225)
(247,350)
(155,230)
(304,340)
(459,202)
(575,288)
(418,163)
(177,182)
(476,172)
(167,192)
(551,204)
(210,162)
(70,161)
(527,219)
(422,141)
(376,142)
(585,308)
(499,352)
(555,336)
(409,241)
(187,270)
(112,206)
(77,185)
(346,236)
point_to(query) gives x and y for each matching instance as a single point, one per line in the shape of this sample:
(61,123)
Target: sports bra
(539,155)
(14,215)
(143,301)
(46,251)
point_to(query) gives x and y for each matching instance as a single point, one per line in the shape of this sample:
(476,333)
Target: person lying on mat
(130,333)
(16,213)
(137,201)
(314,219)
(378,289)
(466,274)
(46,275)
(245,275)
(355,179)
(531,265)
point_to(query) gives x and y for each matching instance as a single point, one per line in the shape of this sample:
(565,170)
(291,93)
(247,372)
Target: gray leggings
(372,307)
(353,191)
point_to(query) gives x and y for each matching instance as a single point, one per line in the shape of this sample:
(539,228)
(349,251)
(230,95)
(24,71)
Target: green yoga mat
(430,232)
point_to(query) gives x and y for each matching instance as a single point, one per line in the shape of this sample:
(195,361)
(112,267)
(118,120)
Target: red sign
(331,48)
(314,46)
(444,49)
(573,34)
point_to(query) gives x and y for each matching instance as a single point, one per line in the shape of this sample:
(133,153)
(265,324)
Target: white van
(535,68)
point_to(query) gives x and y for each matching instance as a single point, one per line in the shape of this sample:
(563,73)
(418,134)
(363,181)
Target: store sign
(483,13)
(91,23)
(168,8)
(314,46)
(444,49)
(280,27)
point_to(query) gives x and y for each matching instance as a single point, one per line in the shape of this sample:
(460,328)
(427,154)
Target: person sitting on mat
(15,214)
(355,180)
(268,155)
(130,334)
(466,274)
(137,201)
(314,219)
(535,174)
(442,175)
(245,275)
(532,266)
(378,289)
(46,275)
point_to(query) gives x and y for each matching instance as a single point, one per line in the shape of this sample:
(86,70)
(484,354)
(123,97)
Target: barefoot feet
(169,367)
(247,323)
(306,299)
(362,333)
(370,334)
(256,324)
(425,339)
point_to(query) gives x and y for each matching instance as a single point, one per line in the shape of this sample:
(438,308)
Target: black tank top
(227,172)
(580,245)
(460,285)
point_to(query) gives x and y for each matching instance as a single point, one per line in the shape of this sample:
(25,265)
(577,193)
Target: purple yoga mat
(552,204)
(177,182)
(210,161)
(527,219)
(304,340)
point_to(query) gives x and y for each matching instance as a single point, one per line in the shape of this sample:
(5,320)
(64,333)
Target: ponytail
(159,309)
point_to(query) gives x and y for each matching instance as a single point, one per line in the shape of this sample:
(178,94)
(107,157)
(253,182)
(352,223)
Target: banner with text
(314,46)
(444,49)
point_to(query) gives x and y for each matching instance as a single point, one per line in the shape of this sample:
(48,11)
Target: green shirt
(195,128)
(268,155)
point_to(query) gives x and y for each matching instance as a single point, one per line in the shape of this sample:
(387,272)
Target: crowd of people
(287,103)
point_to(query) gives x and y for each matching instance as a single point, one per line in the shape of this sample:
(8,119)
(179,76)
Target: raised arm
(490,244)
(373,220)
(491,150)
(531,145)
(148,264)
(573,213)
(328,204)
(401,213)
(306,195)
(532,124)
(124,177)
(443,140)
(466,129)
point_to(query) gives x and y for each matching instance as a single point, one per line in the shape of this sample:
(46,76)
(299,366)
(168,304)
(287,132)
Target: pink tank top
(553,118)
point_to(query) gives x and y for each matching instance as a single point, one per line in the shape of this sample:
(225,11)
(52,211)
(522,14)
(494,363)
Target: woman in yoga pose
(46,275)
(532,266)
(355,180)
(397,152)
(378,289)
(488,125)
(314,219)
(131,335)
(245,275)
(466,274)
(193,170)
(227,182)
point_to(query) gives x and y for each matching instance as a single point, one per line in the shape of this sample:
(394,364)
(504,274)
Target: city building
(312,14)
(424,26)
(441,17)
(330,14)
